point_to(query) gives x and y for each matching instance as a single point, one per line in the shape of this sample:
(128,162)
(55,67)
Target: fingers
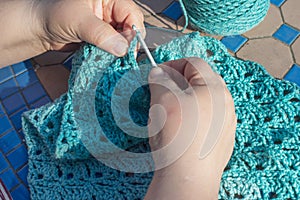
(162,87)
(101,27)
(97,6)
(193,76)
(127,13)
(195,70)
(95,31)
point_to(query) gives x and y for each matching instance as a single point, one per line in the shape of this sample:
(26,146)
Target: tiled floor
(275,43)
(20,90)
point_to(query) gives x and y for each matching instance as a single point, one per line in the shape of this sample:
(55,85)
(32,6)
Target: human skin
(32,27)
(190,176)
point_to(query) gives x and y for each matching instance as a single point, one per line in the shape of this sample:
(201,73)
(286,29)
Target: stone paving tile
(277,57)
(54,79)
(147,11)
(269,52)
(181,22)
(291,12)
(281,59)
(156,6)
(268,26)
(160,21)
(296,50)
(51,58)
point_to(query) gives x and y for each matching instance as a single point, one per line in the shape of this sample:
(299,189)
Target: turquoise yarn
(265,163)
(229,17)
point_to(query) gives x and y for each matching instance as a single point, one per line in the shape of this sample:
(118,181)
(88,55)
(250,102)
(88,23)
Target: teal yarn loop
(265,163)
(228,17)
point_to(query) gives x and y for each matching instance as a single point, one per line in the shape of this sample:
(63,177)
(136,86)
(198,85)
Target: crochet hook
(143,43)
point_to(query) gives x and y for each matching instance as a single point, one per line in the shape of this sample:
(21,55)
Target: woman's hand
(33,27)
(200,121)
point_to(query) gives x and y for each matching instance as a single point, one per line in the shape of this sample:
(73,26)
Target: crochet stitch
(266,158)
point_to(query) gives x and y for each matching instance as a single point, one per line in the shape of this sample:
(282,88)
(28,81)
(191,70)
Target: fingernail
(120,48)
(156,73)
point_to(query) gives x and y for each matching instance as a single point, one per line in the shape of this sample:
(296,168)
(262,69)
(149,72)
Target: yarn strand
(229,17)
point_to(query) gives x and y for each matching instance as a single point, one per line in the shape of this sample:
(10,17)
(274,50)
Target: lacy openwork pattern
(266,158)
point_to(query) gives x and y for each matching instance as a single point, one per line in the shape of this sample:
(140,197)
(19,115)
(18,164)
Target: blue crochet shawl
(265,163)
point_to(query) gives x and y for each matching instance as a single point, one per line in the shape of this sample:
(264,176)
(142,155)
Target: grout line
(6,169)
(245,36)
(287,71)
(20,91)
(166,7)
(27,105)
(145,8)
(281,13)
(10,167)
(235,53)
(13,149)
(165,17)
(9,130)
(281,41)
(19,73)
(294,27)
(49,65)
(47,94)
(6,79)
(262,37)
(292,51)
(282,4)
(14,188)
(17,112)
(36,66)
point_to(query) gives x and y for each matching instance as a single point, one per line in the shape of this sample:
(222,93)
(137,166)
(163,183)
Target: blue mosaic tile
(294,74)
(5,74)
(20,193)
(34,92)
(277,3)
(19,87)
(40,102)
(286,34)
(9,141)
(5,124)
(13,103)
(173,11)
(26,79)
(3,163)
(18,157)
(9,179)
(22,173)
(7,88)
(21,67)
(16,119)
(1,110)
(234,43)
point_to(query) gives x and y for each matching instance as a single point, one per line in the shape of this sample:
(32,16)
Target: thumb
(162,87)
(103,35)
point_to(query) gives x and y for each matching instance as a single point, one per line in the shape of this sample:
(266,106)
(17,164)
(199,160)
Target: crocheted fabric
(265,162)
(230,17)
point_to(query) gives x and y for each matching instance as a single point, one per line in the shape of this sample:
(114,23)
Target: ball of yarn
(224,17)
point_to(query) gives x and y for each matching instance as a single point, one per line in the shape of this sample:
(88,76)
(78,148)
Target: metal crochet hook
(143,43)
